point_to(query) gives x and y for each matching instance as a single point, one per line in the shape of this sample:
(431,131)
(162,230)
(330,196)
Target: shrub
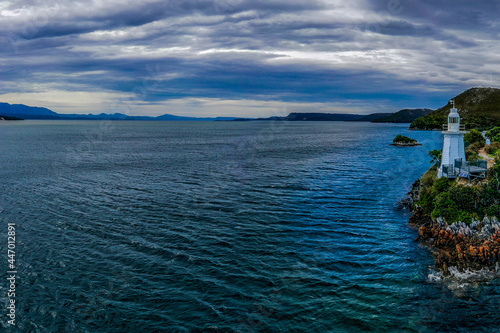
(492,147)
(428,179)
(474,136)
(403,139)
(488,196)
(446,208)
(471,155)
(453,202)
(465,216)
(493,210)
(464,197)
(441,185)
(493,133)
(475,147)
(494,174)
(457,204)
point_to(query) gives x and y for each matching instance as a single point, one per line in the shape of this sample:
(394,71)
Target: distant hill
(304,116)
(32,112)
(373,116)
(322,117)
(403,116)
(478,107)
(26,112)
(181,118)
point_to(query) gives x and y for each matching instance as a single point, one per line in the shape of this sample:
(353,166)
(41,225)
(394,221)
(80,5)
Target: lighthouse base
(453,149)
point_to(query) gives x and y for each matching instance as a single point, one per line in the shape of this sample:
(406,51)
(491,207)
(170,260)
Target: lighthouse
(453,146)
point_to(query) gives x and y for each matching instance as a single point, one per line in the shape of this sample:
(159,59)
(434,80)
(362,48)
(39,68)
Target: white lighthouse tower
(453,146)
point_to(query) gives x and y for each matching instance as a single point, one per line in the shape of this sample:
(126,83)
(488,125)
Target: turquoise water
(223,227)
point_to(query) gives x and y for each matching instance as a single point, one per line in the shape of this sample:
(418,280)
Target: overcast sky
(245,57)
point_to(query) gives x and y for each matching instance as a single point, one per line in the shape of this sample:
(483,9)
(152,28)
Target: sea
(223,226)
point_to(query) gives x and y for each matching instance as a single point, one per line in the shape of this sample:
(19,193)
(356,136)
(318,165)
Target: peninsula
(456,203)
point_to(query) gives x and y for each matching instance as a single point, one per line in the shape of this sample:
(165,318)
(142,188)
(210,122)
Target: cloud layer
(154,57)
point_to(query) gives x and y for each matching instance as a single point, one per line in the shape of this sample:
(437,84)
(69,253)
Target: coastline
(467,247)
(402,144)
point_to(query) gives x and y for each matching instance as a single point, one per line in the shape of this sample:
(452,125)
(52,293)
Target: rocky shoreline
(467,247)
(405,144)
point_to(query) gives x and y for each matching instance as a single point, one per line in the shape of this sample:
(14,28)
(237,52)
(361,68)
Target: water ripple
(187,227)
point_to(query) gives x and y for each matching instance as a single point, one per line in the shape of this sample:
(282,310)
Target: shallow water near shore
(224,227)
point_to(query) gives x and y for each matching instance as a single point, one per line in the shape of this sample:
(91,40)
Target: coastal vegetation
(474,141)
(403,139)
(457,202)
(454,201)
(493,134)
(479,108)
(459,220)
(474,137)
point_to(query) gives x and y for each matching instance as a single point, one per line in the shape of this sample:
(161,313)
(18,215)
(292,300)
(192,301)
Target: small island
(404,141)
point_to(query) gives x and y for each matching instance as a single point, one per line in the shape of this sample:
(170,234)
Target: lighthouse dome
(453,119)
(454,113)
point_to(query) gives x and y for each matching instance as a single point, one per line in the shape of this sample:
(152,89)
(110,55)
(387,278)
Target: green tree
(441,185)
(446,208)
(493,210)
(436,155)
(474,136)
(464,197)
(492,133)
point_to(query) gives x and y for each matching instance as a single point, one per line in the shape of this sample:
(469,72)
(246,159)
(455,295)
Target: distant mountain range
(304,116)
(33,112)
(29,112)
(478,107)
(403,116)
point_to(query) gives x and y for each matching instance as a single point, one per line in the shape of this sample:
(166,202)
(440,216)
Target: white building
(453,146)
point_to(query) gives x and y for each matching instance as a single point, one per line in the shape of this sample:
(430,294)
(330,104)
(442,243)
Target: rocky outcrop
(467,247)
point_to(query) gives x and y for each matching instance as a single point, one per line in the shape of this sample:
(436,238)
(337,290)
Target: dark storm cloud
(460,14)
(302,51)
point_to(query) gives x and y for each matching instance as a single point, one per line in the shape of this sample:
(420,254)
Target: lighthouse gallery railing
(467,169)
(461,127)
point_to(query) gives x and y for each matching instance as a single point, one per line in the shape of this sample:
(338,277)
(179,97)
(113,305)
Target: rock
(471,246)
(445,269)
(486,221)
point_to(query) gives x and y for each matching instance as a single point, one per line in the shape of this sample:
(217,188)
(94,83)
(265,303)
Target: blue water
(223,227)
